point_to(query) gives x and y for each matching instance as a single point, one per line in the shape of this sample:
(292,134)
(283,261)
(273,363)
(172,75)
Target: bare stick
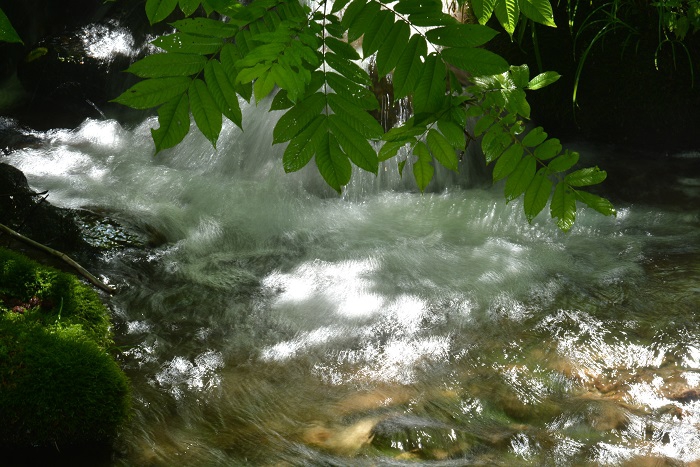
(84,272)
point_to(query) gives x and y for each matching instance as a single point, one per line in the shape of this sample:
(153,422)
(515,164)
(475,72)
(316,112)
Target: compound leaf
(174,120)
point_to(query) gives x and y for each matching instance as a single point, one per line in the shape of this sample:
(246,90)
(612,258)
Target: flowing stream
(265,321)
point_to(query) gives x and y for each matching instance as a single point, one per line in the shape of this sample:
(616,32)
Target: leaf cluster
(311,62)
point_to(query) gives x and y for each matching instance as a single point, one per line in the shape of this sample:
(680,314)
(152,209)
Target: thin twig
(84,272)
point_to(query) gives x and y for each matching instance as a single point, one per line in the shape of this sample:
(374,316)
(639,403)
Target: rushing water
(272,323)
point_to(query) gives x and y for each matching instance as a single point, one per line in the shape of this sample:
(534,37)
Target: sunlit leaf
(442,150)
(206,114)
(537,194)
(483,9)
(563,206)
(520,178)
(586,177)
(548,149)
(508,14)
(174,121)
(7,32)
(540,11)
(507,162)
(542,80)
(494,142)
(601,205)
(168,64)
(535,137)
(520,75)
(153,92)
(564,162)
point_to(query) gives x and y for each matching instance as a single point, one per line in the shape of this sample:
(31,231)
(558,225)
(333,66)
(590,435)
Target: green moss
(58,383)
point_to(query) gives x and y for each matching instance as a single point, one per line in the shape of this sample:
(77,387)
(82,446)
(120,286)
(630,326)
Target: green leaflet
(168,64)
(338,5)
(206,114)
(547,150)
(390,149)
(261,54)
(7,32)
(494,142)
(354,144)
(406,132)
(158,10)
(247,75)
(174,120)
(508,14)
(483,9)
(564,162)
(537,194)
(352,92)
(423,168)
(355,117)
(188,6)
(442,150)
(535,137)
(189,43)
(429,93)
(563,206)
(540,11)
(225,7)
(408,69)
(475,61)
(461,35)
(542,80)
(601,205)
(296,118)
(348,69)
(412,7)
(153,92)
(432,18)
(483,124)
(376,32)
(223,92)
(342,49)
(332,163)
(520,75)
(401,164)
(516,102)
(356,28)
(206,27)
(586,177)
(302,147)
(288,80)
(520,178)
(393,46)
(263,86)
(507,162)
(452,132)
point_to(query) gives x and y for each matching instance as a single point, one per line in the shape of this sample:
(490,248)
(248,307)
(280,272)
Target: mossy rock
(59,386)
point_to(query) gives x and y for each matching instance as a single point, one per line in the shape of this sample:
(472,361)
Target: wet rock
(344,440)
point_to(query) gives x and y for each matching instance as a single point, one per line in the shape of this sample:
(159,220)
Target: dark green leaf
(391,49)
(411,7)
(281,101)
(206,114)
(563,206)
(408,69)
(429,94)
(7,32)
(355,117)
(362,20)
(189,43)
(263,86)
(535,137)
(338,5)
(442,150)
(188,6)
(563,162)
(353,92)
(153,92)
(520,178)
(261,54)
(174,120)
(342,49)
(601,205)
(158,10)
(430,19)
(475,61)
(302,147)
(223,92)
(376,32)
(348,69)
(401,166)
(168,64)
(247,75)
(516,102)
(537,194)
(288,80)
(351,13)
(226,7)
(355,145)
(547,150)
(586,177)
(296,118)
(483,124)
(461,35)
(507,162)
(542,80)
(423,168)
(453,132)
(332,163)
(406,132)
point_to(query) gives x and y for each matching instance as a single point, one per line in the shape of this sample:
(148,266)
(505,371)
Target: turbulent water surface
(269,322)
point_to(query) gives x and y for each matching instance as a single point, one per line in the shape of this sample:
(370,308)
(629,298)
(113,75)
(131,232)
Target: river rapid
(265,321)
